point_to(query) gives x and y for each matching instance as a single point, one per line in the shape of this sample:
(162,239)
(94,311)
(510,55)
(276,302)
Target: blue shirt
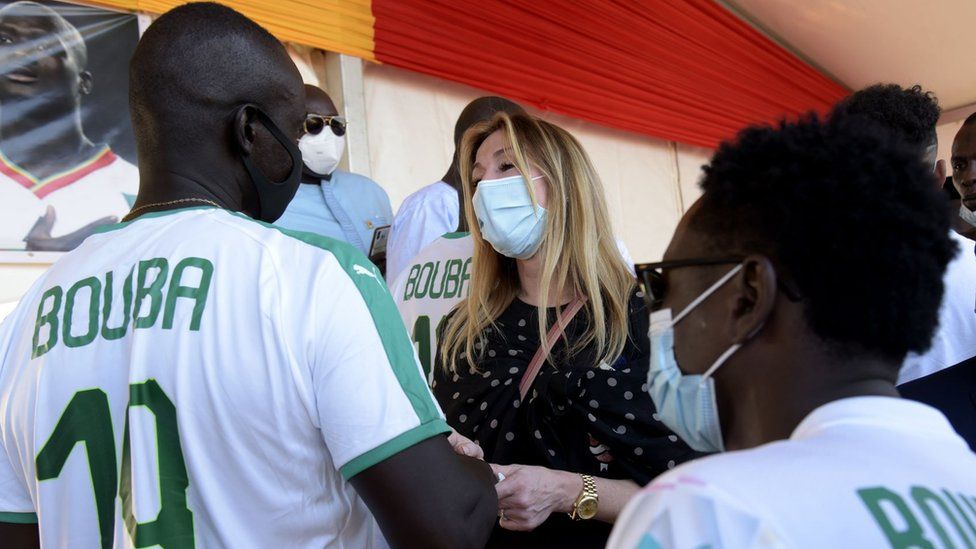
(347,207)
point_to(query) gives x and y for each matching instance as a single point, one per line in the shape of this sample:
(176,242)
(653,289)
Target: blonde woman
(584,438)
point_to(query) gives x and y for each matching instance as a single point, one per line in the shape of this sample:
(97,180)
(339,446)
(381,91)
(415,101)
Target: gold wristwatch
(587,502)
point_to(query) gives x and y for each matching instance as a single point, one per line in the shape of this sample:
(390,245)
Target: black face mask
(275,196)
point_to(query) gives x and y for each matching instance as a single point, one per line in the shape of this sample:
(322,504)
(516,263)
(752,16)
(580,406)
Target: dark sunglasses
(315,123)
(655,286)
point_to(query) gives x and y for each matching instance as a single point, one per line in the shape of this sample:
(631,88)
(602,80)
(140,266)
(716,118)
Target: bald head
(217,108)
(319,102)
(199,61)
(480,110)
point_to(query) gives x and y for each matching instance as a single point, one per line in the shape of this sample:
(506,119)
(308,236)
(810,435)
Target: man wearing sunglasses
(789,296)
(332,202)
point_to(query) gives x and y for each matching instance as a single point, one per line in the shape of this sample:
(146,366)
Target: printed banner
(67,153)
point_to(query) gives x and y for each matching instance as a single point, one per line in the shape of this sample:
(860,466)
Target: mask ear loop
(721,360)
(706,294)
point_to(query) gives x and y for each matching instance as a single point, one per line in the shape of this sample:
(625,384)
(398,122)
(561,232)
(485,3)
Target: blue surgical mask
(508,219)
(685,403)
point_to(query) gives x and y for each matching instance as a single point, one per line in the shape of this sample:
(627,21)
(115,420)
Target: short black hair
(910,112)
(969,119)
(847,213)
(483,109)
(197,62)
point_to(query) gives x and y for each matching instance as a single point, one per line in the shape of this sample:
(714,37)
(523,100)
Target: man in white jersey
(56,186)
(195,377)
(434,281)
(788,331)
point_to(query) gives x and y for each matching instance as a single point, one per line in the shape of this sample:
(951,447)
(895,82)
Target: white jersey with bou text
(430,285)
(857,472)
(195,378)
(106,185)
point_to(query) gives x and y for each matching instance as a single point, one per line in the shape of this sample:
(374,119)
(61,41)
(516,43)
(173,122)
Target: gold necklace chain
(171,202)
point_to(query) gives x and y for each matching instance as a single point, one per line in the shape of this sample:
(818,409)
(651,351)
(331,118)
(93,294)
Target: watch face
(587,508)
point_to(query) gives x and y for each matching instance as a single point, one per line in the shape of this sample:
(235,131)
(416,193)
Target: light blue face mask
(685,403)
(507,218)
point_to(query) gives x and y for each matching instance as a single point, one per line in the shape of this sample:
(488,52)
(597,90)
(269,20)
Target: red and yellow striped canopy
(682,70)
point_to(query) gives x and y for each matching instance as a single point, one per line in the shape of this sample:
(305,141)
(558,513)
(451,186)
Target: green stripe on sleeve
(389,325)
(455,235)
(393,446)
(18,518)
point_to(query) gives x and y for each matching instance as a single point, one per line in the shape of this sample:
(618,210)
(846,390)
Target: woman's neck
(530,283)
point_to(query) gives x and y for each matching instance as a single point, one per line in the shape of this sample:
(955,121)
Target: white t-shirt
(429,287)
(857,472)
(258,370)
(955,339)
(104,186)
(423,217)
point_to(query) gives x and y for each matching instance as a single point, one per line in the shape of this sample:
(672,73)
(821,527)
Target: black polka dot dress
(579,416)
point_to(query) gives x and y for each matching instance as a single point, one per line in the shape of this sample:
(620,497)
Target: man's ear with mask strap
(757,289)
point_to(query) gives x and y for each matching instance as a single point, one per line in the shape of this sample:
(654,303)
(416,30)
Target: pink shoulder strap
(546,345)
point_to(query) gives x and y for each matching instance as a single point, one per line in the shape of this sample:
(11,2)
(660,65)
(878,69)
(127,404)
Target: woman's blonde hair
(581,254)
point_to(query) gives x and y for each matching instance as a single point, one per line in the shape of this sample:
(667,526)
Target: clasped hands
(527,494)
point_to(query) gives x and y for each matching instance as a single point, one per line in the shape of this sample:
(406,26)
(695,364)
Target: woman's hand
(528,495)
(464,446)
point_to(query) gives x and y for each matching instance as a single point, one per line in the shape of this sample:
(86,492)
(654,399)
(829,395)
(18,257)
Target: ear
(85,82)
(243,128)
(757,289)
(940,173)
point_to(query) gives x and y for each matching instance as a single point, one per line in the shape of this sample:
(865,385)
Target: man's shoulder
(346,254)
(456,245)
(731,470)
(435,193)
(207,223)
(359,181)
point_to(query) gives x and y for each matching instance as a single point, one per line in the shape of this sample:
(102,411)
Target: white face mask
(967,215)
(321,152)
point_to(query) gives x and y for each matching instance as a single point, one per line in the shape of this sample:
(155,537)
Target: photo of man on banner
(59,176)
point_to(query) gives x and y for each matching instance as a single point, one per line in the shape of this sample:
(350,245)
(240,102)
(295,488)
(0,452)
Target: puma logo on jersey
(360,270)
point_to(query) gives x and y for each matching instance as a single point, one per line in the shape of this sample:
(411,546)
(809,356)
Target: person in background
(56,185)
(264,370)
(433,283)
(912,114)
(435,209)
(959,224)
(571,428)
(963,164)
(779,338)
(953,390)
(332,202)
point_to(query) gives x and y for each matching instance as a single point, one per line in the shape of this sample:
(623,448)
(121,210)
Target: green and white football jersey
(196,378)
(430,286)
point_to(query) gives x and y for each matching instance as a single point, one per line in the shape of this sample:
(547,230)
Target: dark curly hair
(910,112)
(847,213)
